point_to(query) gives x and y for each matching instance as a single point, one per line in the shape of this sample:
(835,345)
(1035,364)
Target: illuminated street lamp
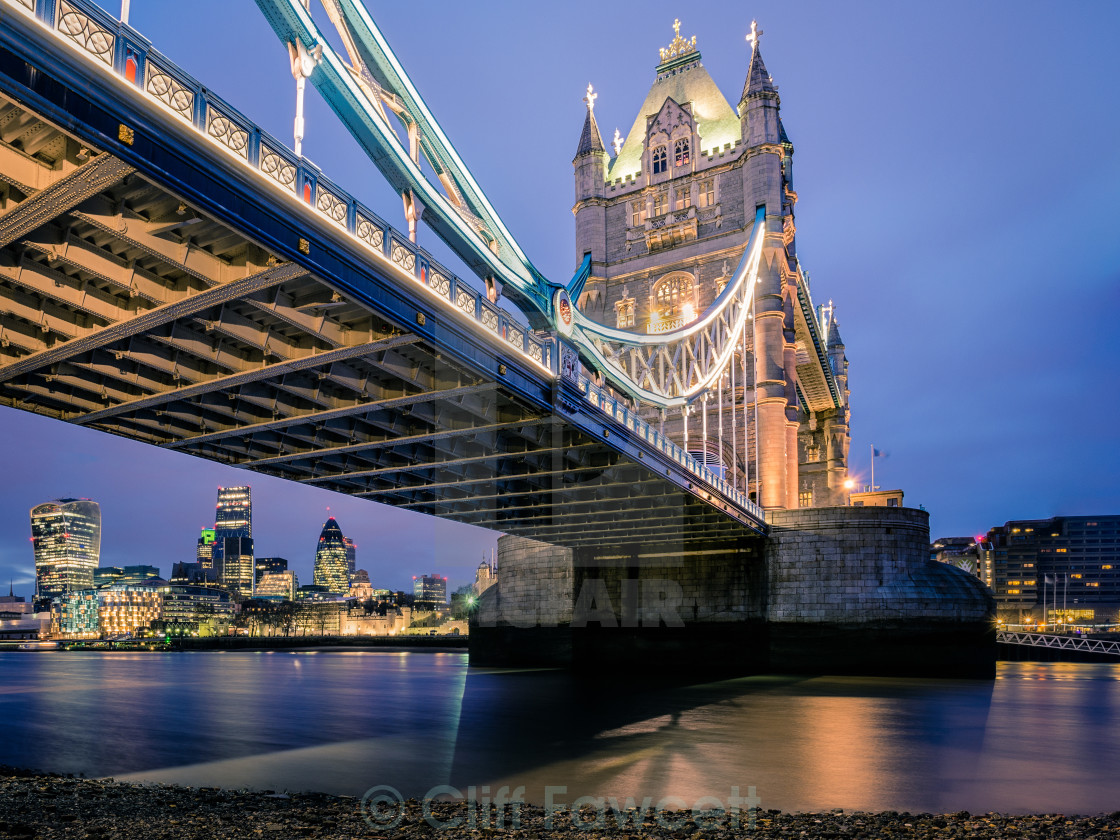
(848,485)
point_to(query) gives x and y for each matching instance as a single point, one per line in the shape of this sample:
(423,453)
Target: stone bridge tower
(666,220)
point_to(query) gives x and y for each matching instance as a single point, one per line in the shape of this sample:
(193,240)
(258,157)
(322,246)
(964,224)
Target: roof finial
(753,38)
(590,98)
(679,46)
(617,142)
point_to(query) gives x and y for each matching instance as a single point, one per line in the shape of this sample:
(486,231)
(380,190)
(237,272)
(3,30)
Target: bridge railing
(119,49)
(628,417)
(1048,640)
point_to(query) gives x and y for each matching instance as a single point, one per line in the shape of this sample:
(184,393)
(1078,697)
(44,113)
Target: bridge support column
(832,590)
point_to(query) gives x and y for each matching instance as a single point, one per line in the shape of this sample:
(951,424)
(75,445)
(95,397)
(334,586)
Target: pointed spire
(834,339)
(590,140)
(782,136)
(758,80)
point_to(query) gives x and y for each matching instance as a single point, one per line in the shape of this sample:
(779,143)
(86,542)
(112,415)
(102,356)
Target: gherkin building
(332,566)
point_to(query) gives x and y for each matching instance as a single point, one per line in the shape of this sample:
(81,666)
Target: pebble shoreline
(39,805)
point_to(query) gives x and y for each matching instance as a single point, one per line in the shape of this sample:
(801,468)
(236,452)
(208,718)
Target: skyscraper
(351,555)
(237,566)
(233,539)
(66,535)
(234,516)
(331,562)
(204,553)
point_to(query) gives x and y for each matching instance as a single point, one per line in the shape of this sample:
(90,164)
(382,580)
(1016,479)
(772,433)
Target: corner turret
(590,165)
(761,129)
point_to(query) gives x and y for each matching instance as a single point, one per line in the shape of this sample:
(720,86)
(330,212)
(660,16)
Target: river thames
(1042,737)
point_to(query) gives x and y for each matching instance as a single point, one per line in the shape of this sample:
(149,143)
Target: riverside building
(1060,570)
(66,536)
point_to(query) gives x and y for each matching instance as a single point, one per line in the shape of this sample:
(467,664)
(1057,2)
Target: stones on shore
(34,805)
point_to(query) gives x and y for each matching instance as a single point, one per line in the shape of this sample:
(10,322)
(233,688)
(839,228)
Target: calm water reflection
(1041,737)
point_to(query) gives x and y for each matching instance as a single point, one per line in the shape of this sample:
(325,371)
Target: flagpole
(872,468)
(1065,591)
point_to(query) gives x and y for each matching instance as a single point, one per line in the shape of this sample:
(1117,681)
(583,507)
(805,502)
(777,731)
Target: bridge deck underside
(126,309)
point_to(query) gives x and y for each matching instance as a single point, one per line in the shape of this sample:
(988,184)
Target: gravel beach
(45,806)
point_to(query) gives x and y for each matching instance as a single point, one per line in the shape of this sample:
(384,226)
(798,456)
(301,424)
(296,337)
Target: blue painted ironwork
(112,48)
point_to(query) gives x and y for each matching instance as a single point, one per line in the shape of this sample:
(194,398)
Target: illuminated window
(805,498)
(660,204)
(637,213)
(1030,583)
(1012,591)
(1028,565)
(1060,550)
(1106,567)
(624,312)
(674,300)
(707,196)
(660,160)
(684,199)
(681,153)
(1078,577)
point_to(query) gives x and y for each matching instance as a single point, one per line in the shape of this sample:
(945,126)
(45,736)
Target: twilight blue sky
(958,167)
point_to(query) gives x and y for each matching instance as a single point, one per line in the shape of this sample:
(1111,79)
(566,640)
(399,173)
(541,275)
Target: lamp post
(848,485)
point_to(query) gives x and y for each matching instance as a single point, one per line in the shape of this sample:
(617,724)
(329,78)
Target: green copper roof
(717,121)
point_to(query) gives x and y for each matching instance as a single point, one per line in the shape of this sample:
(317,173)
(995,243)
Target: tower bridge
(172,273)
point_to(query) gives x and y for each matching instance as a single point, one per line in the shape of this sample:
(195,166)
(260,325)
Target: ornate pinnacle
(679,45)
(590,98)
(756,33)
(617,142)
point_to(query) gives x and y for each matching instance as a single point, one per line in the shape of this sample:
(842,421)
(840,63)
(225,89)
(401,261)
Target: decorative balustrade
(119,48)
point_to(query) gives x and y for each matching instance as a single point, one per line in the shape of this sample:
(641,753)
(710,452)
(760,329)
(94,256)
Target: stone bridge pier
(830,590)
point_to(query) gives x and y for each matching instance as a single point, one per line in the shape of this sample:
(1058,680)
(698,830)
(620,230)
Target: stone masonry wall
(534,585)
(864,565)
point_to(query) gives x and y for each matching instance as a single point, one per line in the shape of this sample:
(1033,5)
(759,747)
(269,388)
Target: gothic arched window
(680,152)
(660,160)
(674,300)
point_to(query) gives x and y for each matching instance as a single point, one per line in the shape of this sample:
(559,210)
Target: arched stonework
(673,301)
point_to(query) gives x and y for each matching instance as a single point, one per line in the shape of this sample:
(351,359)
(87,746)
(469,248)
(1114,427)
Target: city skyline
(929,182)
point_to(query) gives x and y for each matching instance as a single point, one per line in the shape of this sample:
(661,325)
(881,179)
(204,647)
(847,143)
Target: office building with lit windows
(429,592)
(232,553)
(74,615)
(269,566)
(236,569)
(119,610)
(332,565)
(1064,569)
(66,536)
(278,586)
(351,555)
(204,552)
